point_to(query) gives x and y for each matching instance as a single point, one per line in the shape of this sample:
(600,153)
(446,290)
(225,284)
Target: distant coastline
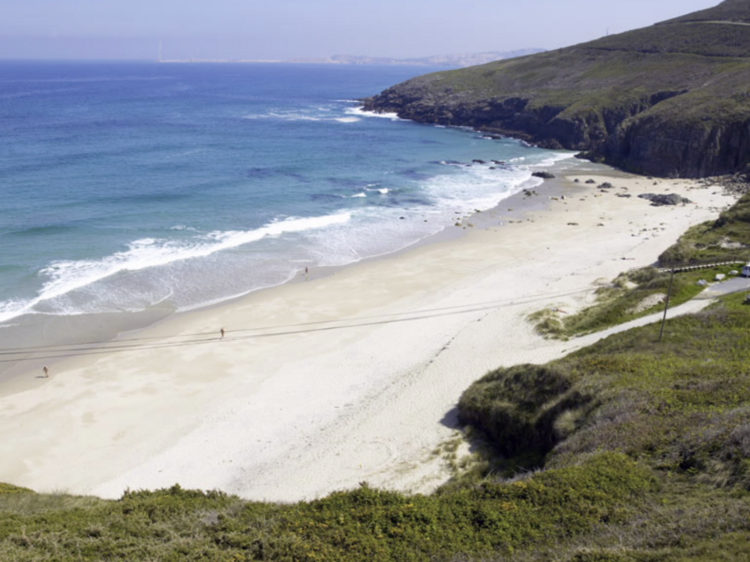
(456,60)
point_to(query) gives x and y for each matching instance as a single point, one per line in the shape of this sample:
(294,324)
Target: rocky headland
(671,100)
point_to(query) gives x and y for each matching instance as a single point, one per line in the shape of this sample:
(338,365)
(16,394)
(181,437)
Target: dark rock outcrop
(659,200)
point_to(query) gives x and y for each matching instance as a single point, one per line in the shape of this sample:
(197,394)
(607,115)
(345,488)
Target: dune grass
(680,407)
(627,298)
(725,240)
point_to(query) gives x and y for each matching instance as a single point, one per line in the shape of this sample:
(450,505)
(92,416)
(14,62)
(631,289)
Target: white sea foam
(380,230)
(320,114)
(477,187)
(363,194)
(285,116)
(554,158)
(295,117)
(361,112)
(184,153)
(66,276)
(374,187)
(12,308)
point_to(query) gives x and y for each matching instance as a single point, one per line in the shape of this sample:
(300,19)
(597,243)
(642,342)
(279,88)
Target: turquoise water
(130,184)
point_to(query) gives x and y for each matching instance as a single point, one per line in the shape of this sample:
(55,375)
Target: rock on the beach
(658,200)
(543,175)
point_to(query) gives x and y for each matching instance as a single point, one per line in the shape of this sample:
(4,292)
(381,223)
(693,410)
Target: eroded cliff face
(635,136)
(667,148)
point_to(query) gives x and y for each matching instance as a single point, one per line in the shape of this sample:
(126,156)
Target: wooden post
(666,306)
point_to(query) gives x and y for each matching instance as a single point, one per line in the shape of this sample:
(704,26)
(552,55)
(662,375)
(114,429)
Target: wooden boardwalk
(700,266)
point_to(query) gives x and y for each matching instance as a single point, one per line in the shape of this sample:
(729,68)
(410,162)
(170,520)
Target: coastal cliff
(670,100)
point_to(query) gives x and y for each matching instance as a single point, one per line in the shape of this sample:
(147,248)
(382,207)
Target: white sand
(360,381)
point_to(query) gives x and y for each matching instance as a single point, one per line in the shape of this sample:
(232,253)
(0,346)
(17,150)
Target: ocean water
(128,185)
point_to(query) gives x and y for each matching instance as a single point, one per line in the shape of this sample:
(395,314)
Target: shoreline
(63,332)
(347,377)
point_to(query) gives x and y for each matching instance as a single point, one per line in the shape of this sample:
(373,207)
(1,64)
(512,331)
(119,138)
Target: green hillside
(730,10)
(672,99)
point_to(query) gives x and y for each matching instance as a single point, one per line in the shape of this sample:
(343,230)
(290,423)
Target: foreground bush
(364,524)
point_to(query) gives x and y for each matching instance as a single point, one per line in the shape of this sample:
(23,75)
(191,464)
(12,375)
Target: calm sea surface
(130,184)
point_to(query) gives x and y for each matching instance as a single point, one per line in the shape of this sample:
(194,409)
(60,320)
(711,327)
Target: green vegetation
(364,524)
(641,292)
(730,10)
(672,404)
(679,407)
(728,238)
(632,295)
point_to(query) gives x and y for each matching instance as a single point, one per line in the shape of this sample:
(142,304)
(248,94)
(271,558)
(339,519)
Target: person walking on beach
(46,372)
(222,333)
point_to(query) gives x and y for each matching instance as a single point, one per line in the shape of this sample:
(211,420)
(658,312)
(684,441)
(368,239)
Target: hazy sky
(281,29)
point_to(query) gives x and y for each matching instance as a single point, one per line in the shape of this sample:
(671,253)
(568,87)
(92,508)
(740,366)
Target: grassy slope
(726,238)
(365,524)
(701,60)
(730,10)
(680,407)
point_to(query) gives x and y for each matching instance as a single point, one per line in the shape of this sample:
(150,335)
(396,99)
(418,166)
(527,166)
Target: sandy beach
(336,379)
